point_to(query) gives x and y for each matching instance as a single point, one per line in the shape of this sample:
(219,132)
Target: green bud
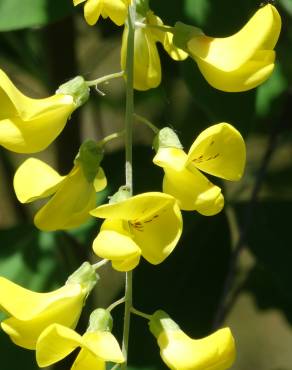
(183,33)
(122,194)
(166,138)
(160,321)
(89,157)
(100,320)
(142,7)
(85,275)
(77,88)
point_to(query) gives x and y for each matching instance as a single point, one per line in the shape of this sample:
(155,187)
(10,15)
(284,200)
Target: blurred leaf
(270,240)
(267,97)
(15,14)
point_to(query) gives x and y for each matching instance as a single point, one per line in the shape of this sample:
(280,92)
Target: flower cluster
(147,225)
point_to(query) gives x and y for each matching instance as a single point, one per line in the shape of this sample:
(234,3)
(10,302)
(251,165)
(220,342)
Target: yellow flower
(239,62)
(180,352)
(98,346)
(74,194)
(29,125)
(29,313)
(148,224)
(219,151)
(147,68)
(116,10)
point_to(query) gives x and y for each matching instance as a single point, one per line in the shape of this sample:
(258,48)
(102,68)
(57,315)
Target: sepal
(77,88)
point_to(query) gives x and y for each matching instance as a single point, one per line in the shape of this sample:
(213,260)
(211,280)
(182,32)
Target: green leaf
(15,14)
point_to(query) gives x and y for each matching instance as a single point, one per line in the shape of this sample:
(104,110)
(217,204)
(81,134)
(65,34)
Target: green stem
(105,79)
(128,169)
(115,304)
(97,265)
(140,313)
(147,123)
(111,137)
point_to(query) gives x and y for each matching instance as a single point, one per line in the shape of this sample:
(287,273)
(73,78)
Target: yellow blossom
(180,352)
(74,194)
(148,224)
(29,125)
(219,151)
(98,346)
(239,62)
(29,313)
(116,10)
(147,68)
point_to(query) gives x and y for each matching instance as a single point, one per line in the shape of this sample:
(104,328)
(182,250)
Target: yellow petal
(158,234)
(104,345)
(77,2)
(100,181)
(147,68)
(193,191)
(30,125)
(174,52)
(34,179)
(251,74)
(55,343)
(116,10)
(32,312)
(70,205)
(114,242)
(215,352)
(171,158)
(230,53)
(92,11)
(220,151)
(87,361)
(137,207)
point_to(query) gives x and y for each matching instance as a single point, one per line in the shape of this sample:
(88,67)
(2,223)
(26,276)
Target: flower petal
(114,242)
(230,53)
(55,343)
(193,191)
(173,158)
(137,207)
(92,11)
(215,352)
(116,10)
(220,151)
(35,179)
(147,68)
(30,125)
(32,312)
(251,74)
(100,181)
(158,235)
(104,345)
(70,205)
(87,361)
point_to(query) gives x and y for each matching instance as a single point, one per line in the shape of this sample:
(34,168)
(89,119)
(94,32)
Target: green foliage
(16,14)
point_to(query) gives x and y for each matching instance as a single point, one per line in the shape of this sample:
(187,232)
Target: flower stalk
(128,167)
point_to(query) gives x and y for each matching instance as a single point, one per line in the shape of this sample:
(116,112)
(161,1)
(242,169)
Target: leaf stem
(155,26)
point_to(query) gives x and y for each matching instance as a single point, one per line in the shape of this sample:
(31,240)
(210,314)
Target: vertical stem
(128,169)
